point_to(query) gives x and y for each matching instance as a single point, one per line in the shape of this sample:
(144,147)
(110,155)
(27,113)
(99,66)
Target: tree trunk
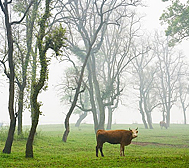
(67,127)
(184,112)
(8,144)
(109,125)
(20,110)
(149,120)
(37,86)
(98,95)
(29,144)
(81,118)
(183,109)
(29,36)
(33,78)
(168,118)
(92,99)
(9,141)
(143,115)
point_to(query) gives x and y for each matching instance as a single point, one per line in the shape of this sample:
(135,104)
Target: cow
(163,124)
(122,137)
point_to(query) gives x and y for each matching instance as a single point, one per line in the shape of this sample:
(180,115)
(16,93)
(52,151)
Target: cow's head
(134,132)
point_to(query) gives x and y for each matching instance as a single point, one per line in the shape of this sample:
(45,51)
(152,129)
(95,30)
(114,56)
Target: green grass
(153,148)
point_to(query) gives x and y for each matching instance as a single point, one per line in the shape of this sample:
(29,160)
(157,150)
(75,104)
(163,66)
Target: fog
(54,112)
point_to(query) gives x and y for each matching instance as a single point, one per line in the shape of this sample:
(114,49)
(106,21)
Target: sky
(54,111)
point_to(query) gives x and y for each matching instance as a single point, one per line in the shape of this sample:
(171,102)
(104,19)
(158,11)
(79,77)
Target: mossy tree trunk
(54,40)
(37,86)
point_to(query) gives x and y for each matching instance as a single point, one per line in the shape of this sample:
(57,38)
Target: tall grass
(152,148)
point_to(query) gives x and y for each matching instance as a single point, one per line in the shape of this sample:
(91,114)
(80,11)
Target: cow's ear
(129,129)
(137,128)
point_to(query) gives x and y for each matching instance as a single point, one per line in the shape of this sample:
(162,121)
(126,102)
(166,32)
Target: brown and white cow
(122,137)
(163,124)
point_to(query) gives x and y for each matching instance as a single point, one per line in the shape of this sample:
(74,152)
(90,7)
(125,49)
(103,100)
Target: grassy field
(153,148)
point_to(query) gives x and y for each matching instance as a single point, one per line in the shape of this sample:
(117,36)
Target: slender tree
(145,71)
(11,74)
(22,68)
(169,63)
(183,90)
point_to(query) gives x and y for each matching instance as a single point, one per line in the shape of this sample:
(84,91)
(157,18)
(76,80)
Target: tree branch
(18,22)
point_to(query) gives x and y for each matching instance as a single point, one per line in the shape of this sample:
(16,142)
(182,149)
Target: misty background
(54,111)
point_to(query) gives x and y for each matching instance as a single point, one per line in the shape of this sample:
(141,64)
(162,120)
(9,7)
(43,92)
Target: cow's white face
(134,133)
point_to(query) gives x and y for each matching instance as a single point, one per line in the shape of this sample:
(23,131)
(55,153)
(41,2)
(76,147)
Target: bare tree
(183,89)
(169,63)
(88,20)
(114,57)
(145,70)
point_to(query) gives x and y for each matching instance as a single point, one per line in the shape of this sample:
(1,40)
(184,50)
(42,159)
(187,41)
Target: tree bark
(20,110)
(143,115)
(39,85)
(149,120)
(109,125)
(35,119)
(29,36)
(9,141)
(92,100)
(11,75)
(98,95)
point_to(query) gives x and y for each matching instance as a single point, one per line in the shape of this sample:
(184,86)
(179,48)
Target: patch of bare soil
(158,144)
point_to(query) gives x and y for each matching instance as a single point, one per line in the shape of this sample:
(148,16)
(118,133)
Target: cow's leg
(122,150)
(101,151)
(99,145)
(96,151)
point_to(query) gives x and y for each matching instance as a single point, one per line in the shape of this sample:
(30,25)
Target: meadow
(152,148)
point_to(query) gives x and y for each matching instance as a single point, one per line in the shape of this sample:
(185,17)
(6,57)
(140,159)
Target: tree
(54,40)
(177,18)
(90,19)
(11,74)
(113,60)
(169,63)
(183,90)
(24,55)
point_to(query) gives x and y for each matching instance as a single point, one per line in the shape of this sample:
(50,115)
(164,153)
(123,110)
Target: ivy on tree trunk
(37,86)
(54,40)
